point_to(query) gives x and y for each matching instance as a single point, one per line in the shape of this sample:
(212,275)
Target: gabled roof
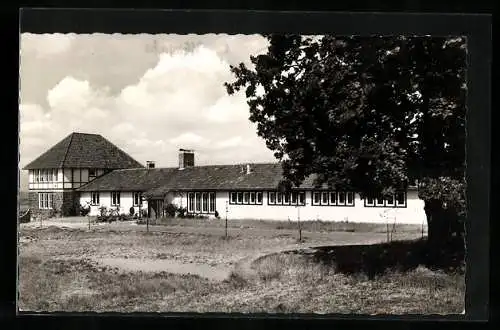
(82,150)
(157,182)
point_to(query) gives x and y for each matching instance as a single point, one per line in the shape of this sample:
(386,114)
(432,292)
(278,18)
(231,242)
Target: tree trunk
(445,235)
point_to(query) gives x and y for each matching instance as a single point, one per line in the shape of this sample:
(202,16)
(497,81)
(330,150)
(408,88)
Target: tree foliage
(372,114)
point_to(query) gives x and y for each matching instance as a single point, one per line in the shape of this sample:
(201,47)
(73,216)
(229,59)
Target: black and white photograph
(242,173)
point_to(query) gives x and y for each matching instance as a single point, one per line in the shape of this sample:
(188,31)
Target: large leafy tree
(373,114)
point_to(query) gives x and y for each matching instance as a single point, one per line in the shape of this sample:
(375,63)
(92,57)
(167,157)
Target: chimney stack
(150,164)
(186,158)
(249,169)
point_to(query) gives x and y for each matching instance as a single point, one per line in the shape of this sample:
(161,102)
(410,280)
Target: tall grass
(284,283)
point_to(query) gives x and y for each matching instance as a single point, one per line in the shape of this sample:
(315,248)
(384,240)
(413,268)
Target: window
(246,197)
(279,198)
(259,197)
(286,199)
(211,197)
(137,198)
(252,198)
(92,172)
(272,198)
(389,200)
(302,198)
(401,199)
(341,200)
(94,198)
(324,198)
(204,205)
(201,202)
(369,201)
(45,200)
(316,198)
(54,175)
(333,198)
(232,198)
(197,203)
(36,173)
(289,198)
(190,202)
(350,198)
(41,175)
(115,198)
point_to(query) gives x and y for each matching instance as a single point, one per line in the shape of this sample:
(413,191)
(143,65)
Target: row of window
(245,197)
(204,202)
(115,198)
(394,200)
(319,198)
(292,198)
(50,175)
(333,198)
(201,202)
(47,175)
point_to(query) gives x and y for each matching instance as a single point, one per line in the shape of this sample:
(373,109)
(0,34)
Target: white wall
(85,175)
(126,202)
(413,213)
(67,178)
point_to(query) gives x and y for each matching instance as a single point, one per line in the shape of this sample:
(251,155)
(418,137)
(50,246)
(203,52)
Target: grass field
(65,270)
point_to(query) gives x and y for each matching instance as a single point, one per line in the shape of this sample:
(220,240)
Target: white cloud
(189,140)
(70,94)
(228,109)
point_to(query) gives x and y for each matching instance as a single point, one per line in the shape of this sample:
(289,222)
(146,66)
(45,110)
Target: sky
(148,94)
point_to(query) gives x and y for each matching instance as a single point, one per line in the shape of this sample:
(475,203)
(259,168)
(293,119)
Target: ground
(122,267)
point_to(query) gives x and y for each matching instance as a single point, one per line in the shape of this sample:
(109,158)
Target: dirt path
(216,273)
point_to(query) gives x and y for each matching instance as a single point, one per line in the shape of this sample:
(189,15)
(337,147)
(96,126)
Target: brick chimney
(186,158)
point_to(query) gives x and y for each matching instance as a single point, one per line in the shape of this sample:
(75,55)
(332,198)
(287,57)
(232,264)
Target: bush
(181,212)
(84,210)
(170,209)
(131,211)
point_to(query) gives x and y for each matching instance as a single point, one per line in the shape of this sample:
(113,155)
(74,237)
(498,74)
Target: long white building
(245,191)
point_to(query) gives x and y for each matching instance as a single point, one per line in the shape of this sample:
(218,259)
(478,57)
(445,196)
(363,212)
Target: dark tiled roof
(157,182)
(139,179)
(224,177)
(82,150)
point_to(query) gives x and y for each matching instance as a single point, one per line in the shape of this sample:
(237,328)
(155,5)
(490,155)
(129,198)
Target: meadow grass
(285,283)
(307,225)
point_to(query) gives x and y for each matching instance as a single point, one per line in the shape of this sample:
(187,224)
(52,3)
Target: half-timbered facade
(73,162)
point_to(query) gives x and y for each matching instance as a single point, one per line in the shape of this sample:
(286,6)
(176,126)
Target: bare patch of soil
(216,273)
